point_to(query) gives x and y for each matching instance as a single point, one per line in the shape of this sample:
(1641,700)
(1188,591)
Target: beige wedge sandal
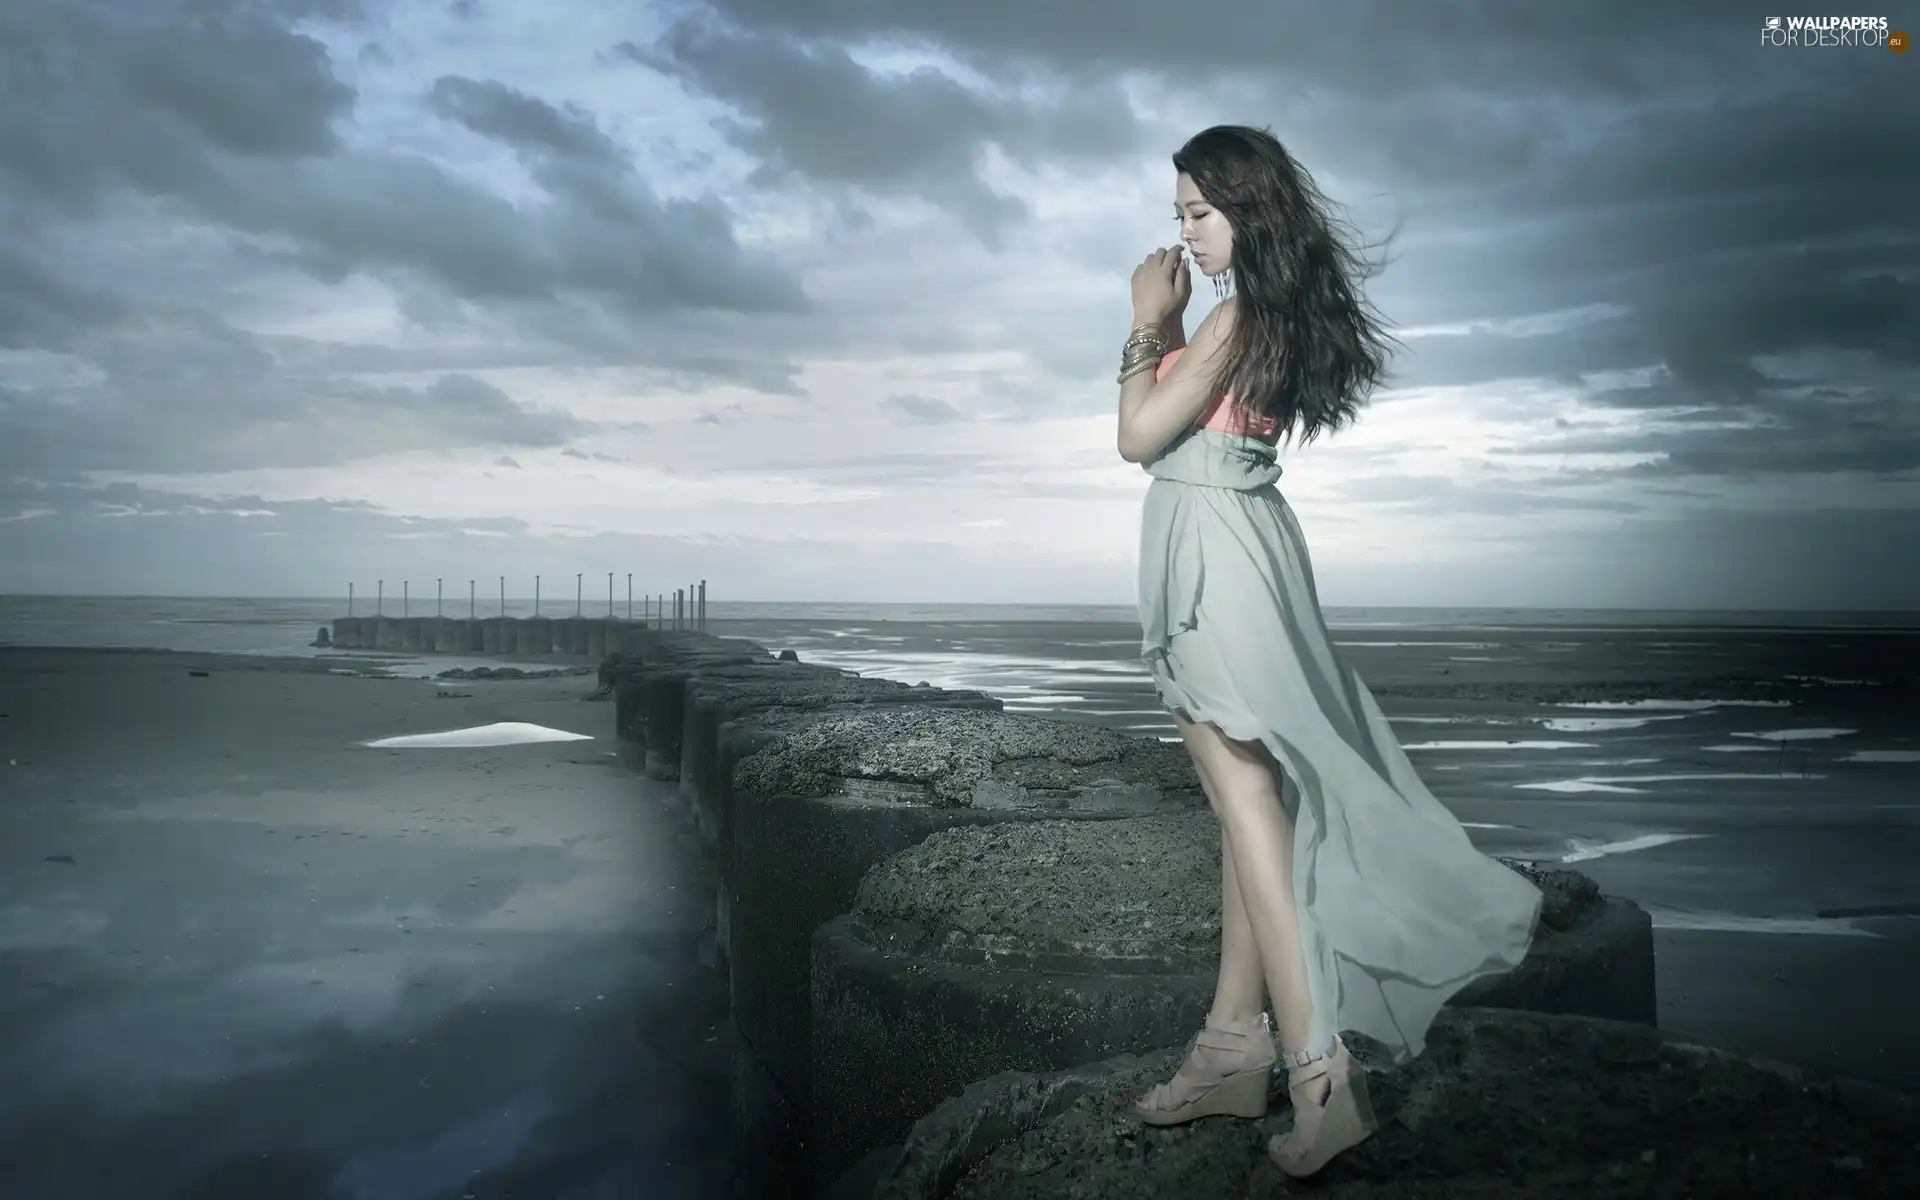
(1323,1129)
(1234,1083)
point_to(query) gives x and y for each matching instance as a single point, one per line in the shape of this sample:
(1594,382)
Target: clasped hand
(1161,286)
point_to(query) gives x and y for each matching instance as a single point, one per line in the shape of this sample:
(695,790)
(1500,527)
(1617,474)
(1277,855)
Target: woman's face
(1206,233)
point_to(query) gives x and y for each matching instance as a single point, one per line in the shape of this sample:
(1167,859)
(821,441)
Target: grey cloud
(122,101)
(1730,216)
(1431,494)
(815,113)
(921,410)
(38,308)
(500,112)
(506,461)
(198,395)
(1776,432)
(232,117)
(1620,50)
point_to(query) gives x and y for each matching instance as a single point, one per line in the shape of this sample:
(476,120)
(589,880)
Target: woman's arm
(1153,414)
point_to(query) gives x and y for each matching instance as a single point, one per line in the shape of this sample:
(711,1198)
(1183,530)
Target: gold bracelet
(1143,367)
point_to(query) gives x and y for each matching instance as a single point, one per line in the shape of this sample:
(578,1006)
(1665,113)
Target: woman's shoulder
(1220,320)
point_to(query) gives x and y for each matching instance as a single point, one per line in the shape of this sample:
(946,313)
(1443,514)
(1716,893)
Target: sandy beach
(244,955)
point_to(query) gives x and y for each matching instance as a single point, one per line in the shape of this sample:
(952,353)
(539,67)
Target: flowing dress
(1398,909)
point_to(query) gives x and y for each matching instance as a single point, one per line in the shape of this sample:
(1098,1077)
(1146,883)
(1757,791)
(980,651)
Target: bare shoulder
(1218,324)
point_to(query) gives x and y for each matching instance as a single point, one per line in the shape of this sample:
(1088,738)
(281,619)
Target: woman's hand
(1161,286)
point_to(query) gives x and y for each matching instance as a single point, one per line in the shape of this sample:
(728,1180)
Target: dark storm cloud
(220,116)
(40,309)
(815,113)
(233,117)
(1733,201)
(141,98)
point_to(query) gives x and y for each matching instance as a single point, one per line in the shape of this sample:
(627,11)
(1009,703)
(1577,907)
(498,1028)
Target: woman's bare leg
(1246,794)
(1241,991)
(1236,1040)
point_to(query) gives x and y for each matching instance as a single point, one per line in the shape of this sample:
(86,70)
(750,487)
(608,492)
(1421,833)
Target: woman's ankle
(1220,1020)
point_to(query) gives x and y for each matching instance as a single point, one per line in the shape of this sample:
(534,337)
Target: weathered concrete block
(719,697)
(596,638)
(813,812)
(1503,1105)
(538,632)
(664,694)
(993,949)
(497,636)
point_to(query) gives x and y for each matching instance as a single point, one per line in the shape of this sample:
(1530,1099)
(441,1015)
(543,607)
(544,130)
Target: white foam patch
(1484,825)
(1686,705)
(1741,749)
(1452,645)
(1595,724)
(1448,721)
(1588,851)
(1886,756)
(1512,745)
(1617,783)
(1798,735)
(1736,923)
(503,733)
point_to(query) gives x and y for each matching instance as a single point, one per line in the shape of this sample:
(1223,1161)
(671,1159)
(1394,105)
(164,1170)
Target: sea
(1750,778)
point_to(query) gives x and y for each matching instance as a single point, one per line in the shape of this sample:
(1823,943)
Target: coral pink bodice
(1222,413)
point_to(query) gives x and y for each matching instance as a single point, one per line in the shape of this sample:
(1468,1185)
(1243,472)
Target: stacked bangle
(1145,347)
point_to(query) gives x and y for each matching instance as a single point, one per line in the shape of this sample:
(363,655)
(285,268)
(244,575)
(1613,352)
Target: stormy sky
(823,298)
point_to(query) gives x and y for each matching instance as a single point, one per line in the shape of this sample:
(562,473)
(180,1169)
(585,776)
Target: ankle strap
(1299,1059)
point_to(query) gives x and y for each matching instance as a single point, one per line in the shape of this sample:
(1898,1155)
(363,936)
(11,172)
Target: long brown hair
(1306,347)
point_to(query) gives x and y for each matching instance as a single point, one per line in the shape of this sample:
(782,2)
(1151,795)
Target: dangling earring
(1223,283)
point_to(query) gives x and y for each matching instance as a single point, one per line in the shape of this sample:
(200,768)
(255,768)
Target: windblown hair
(1306,347)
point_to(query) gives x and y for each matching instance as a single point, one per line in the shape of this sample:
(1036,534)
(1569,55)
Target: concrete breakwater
(588,637)
(1504,1105)
(918,891)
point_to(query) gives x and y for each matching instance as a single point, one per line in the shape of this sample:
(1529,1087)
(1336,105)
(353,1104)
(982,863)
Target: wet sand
(243,955)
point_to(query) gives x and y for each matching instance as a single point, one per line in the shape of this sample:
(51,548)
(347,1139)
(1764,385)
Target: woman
(1350,897)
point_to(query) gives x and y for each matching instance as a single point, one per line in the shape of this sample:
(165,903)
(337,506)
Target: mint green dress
(1398,910)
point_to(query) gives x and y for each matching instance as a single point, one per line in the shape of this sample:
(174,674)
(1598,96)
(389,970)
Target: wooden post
(349,599)
(629,596)
(503,595)
(609,593)
(577,593)
(536,595)
(473,612)
(379,596)
(438,597)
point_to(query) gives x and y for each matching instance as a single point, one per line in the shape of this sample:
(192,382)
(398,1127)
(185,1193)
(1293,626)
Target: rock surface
(963,758)
(1515,1106)
(1115,891)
